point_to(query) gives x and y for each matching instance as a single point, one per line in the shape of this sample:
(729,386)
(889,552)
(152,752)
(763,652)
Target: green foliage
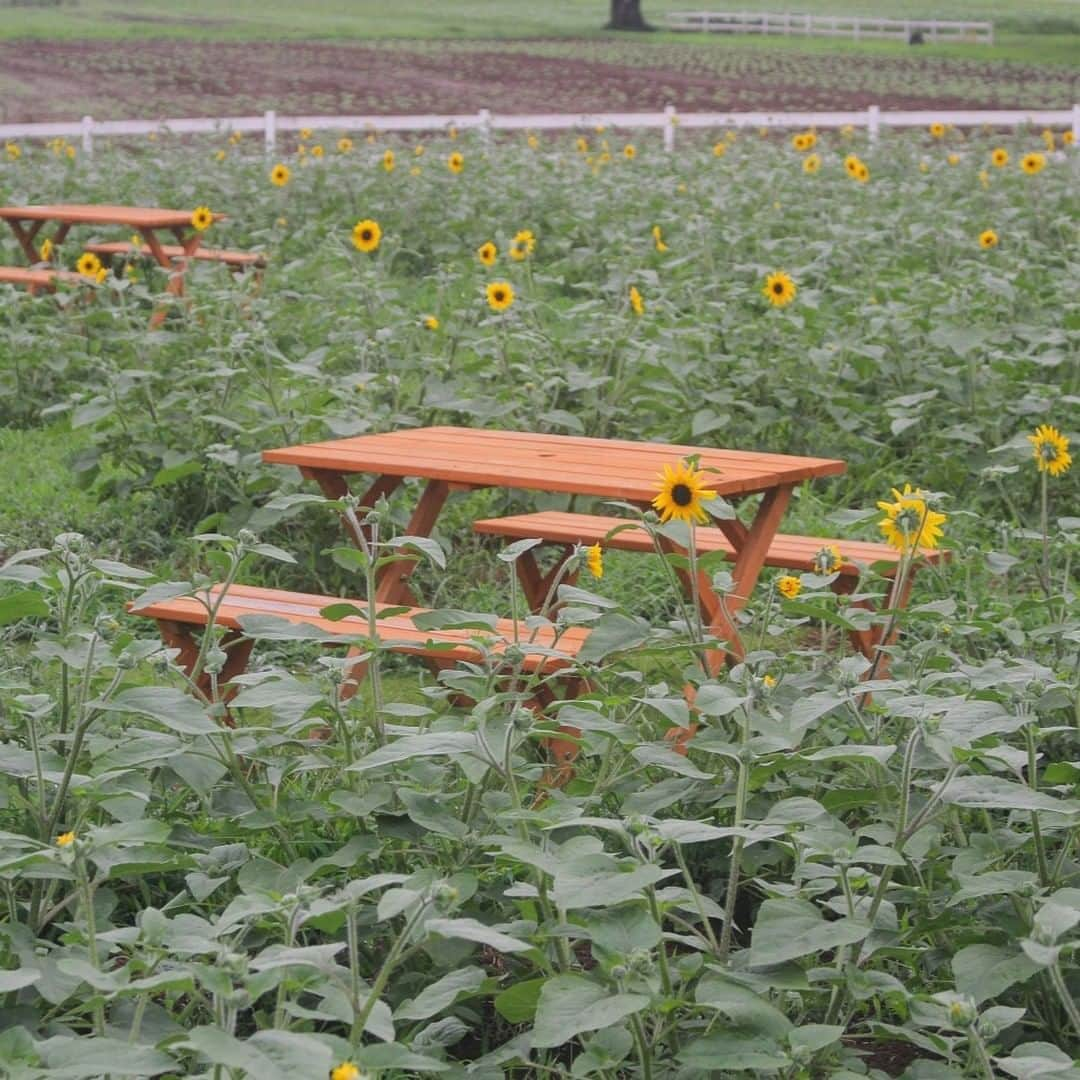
(275,877)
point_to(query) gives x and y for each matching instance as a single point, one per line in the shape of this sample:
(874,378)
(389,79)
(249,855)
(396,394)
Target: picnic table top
(606,468)
(136,217)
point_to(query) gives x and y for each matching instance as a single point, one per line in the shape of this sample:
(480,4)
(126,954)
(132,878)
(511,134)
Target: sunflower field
(836,877)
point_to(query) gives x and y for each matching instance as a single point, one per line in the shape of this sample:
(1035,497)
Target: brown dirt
(146,79)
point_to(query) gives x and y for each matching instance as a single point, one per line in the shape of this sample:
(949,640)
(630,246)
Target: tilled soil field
(42,80)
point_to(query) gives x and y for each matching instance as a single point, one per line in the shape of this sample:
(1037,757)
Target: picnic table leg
(176,268)
(393,585)
(535,584)
(26,238)
(334,486)
(236,646)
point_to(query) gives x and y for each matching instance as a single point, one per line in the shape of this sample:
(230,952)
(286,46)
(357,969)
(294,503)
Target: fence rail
(847,26)
(270,124)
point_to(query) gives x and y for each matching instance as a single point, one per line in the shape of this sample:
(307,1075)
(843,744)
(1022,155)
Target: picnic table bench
(36,280)
(27,222)
(234,260)
(787,551)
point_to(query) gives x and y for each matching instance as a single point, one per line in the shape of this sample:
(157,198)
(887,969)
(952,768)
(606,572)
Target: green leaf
(788,929)
(597,880)
(441,994)
(745,1009)
(472,930)
(570,1005)
(426,544)
(73,1057)
(170,707)
(16,980)
(997,793)
(24,604)
(452,619)
(431,744)
(517,1004)
(734,1052)
(613,632)
(983,971)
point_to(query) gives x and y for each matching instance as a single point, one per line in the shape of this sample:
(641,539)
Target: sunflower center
(909,520)
(500,296)
(778,287)
(681,495)
(365,234)
(1048,452)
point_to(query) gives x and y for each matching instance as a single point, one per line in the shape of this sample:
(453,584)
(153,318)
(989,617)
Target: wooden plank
(605,468)
(240,258)
(398,632)
(87,214)
(788,551)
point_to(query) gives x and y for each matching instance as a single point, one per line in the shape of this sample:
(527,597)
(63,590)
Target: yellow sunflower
(937,129)
(780,289)
(500,295)
(88,265)
(344,144)
(682,492)
(789,586)
(988,239)
(1048,139)
(487,253)
(220,155)
(306,134)
(999,157)
(719,149)
(658,239)
(798,140)
(317,151)
(13,151)
(862,174)
(594,559)
(629,151)
(455,162)
(46,250)
(346,1071)
(851,164)
(636,301)
(65,839)
(431,322)
(1033,163)
(532,142)
(811,163)
(452,132)
(388,161)
(828,560)
(279,175)
(366,235)
(1067,138)
(1051,450)
(909,523)
(523,245)
(953,159)
(202,219)
(582,144)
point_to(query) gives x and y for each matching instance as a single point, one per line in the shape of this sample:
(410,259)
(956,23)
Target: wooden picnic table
(26,223)
(454,458)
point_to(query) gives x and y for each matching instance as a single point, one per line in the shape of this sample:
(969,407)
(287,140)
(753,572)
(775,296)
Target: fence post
(88,135)
(271,130)
(669,128)
(1076,126)
(484,117)
(873,122)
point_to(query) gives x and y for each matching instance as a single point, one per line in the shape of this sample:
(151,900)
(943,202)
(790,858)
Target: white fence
(270,125)
(846,26)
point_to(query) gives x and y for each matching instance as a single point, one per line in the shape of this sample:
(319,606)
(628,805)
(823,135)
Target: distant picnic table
(27,222)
